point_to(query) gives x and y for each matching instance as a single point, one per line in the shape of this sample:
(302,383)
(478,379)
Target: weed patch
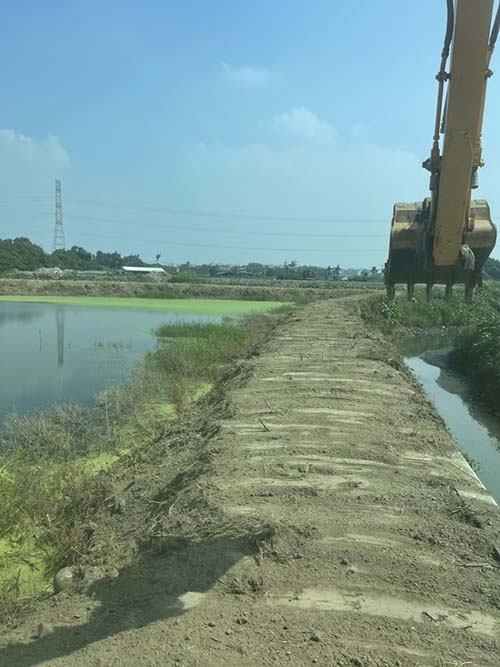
(393,317)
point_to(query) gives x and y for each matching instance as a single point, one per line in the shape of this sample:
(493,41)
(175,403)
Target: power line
(216,245)
(40,215)
(41,200)
(201,214)
(225,215)
(226,247)
(211,230)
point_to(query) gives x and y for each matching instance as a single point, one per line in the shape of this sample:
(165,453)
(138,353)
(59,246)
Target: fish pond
(68,349)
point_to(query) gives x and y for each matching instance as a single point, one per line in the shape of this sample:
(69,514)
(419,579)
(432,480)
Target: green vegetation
(477,343)
(216,307)
(51,461)
(477,353)
(20,254)
(492,269)
(395,317)
(23,255)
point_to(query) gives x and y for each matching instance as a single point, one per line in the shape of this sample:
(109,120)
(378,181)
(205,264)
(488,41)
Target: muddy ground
(314,512)
(166,290)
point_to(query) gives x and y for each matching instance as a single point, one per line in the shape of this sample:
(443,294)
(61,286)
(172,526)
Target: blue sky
(309,118)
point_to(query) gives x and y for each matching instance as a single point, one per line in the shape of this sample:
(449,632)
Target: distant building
(144,270)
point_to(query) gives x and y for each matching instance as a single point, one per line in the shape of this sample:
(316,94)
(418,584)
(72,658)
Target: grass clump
(398,315)
(194,355)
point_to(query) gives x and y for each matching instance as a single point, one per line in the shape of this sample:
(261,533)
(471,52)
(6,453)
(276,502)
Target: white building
(143,269)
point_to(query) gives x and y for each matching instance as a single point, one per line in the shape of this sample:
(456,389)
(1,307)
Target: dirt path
(343,528)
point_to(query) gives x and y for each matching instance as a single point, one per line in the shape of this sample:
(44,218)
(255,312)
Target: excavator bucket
(411,250)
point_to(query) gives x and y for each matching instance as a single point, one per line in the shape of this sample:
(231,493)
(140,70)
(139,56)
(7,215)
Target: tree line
(24,255)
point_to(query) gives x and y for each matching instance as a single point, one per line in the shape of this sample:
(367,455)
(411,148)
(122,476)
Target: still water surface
(475,430)
(51,353)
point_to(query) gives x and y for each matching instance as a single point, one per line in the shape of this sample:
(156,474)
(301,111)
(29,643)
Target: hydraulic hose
(441,76)
(449,26)
(494,30)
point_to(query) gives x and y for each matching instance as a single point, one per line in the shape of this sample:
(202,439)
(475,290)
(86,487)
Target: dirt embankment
(165,290)
(317,512)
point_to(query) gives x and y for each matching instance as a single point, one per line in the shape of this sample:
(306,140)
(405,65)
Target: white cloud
(303,124)
(28,167)
(245,77)
(345,178)
(18,151)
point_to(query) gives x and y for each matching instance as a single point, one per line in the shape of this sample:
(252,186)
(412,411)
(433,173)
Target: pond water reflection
(53,353)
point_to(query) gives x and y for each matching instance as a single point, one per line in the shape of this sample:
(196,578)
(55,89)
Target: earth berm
(315,511)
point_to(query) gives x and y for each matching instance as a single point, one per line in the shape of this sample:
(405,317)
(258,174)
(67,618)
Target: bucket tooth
(411,258)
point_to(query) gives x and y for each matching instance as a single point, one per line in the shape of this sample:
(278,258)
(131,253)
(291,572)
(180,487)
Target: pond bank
(312,513)
(167,290)
(454,351)
(51,461)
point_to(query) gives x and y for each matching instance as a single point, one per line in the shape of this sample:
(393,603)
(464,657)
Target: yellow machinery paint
(447,238)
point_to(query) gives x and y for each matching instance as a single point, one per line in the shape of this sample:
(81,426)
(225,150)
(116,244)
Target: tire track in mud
(382,539)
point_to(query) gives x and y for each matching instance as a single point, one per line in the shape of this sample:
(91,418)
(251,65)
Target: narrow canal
(475,430)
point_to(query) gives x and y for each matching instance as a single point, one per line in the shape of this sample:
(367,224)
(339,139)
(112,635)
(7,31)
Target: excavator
(447,238)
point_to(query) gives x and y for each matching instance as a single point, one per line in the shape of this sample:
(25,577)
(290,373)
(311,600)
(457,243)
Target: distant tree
(336,272)
(9,261)
(255,268)
(22,254)
(109,260)
(75,258)
(492,269)
(158,255)
(132,260)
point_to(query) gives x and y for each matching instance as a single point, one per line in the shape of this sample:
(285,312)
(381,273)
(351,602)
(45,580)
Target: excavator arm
(447,238)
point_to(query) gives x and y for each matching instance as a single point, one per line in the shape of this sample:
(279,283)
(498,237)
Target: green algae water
(211,307)
(59,352)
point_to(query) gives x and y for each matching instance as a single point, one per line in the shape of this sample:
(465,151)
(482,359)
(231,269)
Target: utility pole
(59,242)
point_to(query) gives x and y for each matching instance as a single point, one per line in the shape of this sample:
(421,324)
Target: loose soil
(314,511)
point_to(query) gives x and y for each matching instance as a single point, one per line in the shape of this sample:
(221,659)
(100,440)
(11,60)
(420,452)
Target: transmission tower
(59,242)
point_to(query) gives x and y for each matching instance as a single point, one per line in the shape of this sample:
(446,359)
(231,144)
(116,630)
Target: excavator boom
(447,238)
